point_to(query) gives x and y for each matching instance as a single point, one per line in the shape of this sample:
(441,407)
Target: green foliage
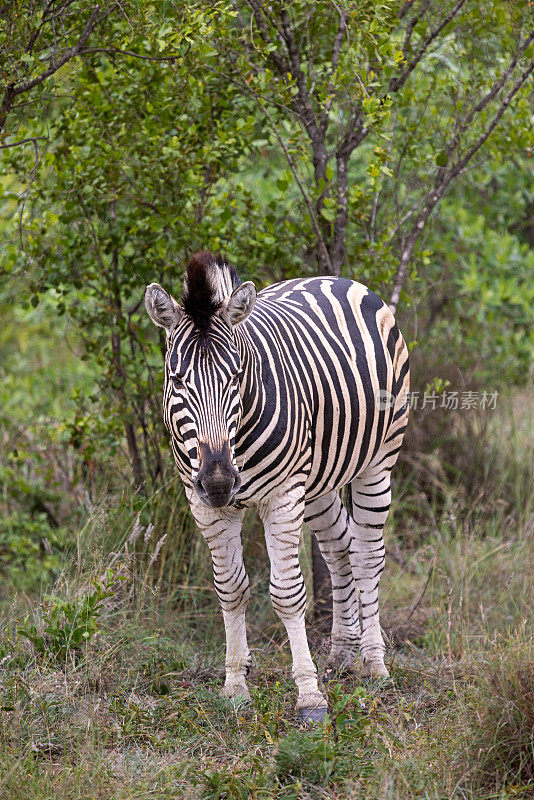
(69,624)
(32,552)
(346,743)
(141,715)
(143,182)
(193,127)
(231,784)
(482,272)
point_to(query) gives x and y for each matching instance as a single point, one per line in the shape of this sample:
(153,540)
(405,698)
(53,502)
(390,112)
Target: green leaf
(329,214)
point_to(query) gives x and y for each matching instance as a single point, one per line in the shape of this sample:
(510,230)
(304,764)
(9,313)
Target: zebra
(277,400)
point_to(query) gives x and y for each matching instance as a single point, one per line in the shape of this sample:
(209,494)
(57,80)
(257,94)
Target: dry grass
(500,729)
(137,712)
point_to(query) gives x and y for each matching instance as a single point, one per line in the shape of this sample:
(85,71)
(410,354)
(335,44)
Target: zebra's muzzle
(217,481)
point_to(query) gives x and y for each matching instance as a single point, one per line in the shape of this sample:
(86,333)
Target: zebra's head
(201,399)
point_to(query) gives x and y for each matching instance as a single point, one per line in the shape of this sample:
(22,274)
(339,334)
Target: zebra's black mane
(208,280)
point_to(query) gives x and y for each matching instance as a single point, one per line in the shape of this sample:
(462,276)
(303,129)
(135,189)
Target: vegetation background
(387,141)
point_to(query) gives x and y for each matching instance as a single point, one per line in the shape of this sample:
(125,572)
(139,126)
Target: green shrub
(70,623)
(32,552)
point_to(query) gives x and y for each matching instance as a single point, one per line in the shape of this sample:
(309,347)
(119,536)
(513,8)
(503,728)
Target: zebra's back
(336,367)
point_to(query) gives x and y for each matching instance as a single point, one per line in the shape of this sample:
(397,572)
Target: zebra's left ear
(241,302)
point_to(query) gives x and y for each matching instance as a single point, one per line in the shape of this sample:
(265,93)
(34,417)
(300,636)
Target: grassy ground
(110,689)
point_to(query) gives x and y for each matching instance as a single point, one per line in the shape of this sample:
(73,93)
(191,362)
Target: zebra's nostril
(218,487)
(218,479)
(199,486)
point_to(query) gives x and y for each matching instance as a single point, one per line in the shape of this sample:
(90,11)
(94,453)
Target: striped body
(316,355)
(277,402)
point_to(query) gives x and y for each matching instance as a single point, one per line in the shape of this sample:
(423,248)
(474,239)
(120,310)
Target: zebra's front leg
(223,535)
(371,498)
(282,517)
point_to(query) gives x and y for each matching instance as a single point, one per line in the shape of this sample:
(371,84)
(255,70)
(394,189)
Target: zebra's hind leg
(330,522)
(371,498)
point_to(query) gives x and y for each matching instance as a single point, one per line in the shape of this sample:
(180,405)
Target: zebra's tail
(346,498)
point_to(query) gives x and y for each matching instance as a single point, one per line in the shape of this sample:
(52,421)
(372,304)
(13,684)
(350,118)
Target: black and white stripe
(306,389)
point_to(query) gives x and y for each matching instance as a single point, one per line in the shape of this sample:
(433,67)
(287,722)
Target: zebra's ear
(162,308)
(241,302)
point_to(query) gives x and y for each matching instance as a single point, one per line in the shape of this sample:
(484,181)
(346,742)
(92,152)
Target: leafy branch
(56,58)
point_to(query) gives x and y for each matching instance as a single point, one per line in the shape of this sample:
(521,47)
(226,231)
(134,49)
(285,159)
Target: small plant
(136,719)
(69,624)
(270,706)
(10,656)
(240,782)
(344,744)
(311,756)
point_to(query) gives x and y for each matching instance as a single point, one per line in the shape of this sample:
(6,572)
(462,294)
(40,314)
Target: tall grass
(133,709)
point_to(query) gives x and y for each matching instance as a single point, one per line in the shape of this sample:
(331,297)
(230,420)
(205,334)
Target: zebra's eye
(177,381)
(235,378)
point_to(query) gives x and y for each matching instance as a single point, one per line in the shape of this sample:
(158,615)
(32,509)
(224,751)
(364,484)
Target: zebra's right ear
(162,308)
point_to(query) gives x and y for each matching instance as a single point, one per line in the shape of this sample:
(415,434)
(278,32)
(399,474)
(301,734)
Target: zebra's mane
(209,280)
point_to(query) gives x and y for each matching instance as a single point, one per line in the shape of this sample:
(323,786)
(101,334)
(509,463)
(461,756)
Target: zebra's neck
(252,382)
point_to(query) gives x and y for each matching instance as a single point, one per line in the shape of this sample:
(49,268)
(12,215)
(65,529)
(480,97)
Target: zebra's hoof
(374,669)
(237,704)
(236,695)
(312,716)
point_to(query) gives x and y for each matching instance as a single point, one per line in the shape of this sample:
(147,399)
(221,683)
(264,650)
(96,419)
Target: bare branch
(356,131)
(411,25)
(336,51)
(38,158)
(308,113)
(497,86)
(116,51)
(376,197)
(32,139)
(258,14)
(309,204)
(460,165)
(248,88)
(47,16)
(408,4)
(340,225)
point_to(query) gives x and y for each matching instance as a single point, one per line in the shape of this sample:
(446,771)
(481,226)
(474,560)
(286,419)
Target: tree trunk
(133,449)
